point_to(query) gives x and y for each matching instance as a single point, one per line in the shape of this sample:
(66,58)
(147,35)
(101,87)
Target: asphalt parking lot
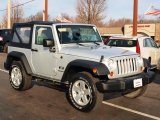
(48,103)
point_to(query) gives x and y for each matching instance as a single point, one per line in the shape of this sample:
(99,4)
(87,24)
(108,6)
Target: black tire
(136,93)
(94,98)
(25,81)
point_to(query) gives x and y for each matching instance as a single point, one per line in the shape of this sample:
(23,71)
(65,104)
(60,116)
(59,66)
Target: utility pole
(9,15)
(45,10)
(135,17)
(89,11)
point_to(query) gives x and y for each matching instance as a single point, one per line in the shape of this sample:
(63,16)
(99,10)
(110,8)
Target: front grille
(127,65)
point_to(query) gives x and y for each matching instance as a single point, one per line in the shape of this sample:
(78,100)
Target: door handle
(52,49)
(34,50)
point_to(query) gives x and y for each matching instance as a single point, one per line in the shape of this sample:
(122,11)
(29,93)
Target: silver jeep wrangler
(74,55)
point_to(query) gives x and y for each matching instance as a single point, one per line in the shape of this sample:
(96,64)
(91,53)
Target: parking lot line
(4,71)
(130,110)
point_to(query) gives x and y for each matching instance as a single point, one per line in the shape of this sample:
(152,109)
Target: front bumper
(123,84)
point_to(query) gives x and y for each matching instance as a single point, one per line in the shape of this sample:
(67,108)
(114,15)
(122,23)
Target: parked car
(74,55)
(5,35)
(145,46)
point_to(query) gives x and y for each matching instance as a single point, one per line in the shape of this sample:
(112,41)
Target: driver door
(43,61)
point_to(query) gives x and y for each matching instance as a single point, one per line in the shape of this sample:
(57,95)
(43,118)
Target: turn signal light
(94,70)
(142,68)
(111,74)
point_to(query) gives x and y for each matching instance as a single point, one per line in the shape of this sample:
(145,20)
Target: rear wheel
(136,93)
(82,93)
(19,80)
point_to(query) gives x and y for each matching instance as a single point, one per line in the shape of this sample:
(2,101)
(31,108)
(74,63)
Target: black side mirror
(48,43)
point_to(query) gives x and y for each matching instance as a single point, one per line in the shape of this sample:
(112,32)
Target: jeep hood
(95,52)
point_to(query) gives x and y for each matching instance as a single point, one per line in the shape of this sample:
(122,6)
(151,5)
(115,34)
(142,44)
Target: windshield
(77,34)
(122,43)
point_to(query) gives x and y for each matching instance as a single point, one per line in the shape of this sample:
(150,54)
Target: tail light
(138,48)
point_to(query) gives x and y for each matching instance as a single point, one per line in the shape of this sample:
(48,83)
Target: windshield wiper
(96,43)
(79,44)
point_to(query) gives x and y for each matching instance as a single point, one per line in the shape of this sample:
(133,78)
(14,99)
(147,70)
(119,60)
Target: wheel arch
(85,65)
(17,56)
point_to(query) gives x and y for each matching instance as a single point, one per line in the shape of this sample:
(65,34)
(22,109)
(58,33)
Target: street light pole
(9,15)
(135,17)
(45,10)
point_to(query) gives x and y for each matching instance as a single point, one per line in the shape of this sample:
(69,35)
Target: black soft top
(35,23)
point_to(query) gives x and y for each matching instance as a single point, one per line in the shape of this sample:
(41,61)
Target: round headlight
(111,64)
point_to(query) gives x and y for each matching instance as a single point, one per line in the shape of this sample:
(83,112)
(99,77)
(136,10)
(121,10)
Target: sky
(115,8)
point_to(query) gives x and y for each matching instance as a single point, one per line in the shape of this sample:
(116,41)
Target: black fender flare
(102,69)
(147,62)
(18,56)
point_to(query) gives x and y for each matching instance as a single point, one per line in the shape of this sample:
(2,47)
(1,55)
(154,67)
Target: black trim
(147,62)
(32,23)
(102,70)
(123,84)
(18,56)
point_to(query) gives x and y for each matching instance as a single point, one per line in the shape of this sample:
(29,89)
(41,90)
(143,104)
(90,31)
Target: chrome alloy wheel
(81,92)
(16,76)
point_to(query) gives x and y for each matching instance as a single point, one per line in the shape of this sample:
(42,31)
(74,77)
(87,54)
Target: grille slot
(126,66)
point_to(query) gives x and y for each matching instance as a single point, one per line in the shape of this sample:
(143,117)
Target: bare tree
(64,16)
(16,14)
(119,22)
(37,17)
(68,17)
(91,11)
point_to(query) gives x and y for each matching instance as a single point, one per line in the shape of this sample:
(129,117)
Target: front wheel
(82,93)
(136,93)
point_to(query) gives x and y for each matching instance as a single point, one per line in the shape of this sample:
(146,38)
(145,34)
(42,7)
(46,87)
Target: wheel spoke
(14,80)
(19,76)
(78,98)
(85,100)
(82,85)
(18,81)
(87,92)
(76,88)
(13,71)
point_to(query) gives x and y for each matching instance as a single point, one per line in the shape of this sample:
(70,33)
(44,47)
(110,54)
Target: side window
(22,35)
(43,33)
(153,44)
(149,43)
